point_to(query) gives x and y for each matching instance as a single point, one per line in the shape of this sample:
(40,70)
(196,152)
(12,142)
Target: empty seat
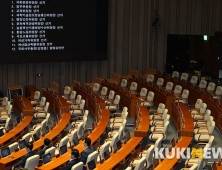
(72,98)
(96,87)
(113,106)
(41,104)
(138,164)
(184,97)
(80,110)
(142,94)
(211,87)
(158,112)
(218,93)
(3,103)
(194,80)
(62,142)
(148,102)
(184,76)
(175,74)
(4,115)
(133,87)
(123,83)
(196,106)
(150,78)
(160,82)
(110,97)
(66,92)
(203,84)
(103,92)
(35,99)
(156,134)
(177,90)
(169,86)
(42,113)
(76,103)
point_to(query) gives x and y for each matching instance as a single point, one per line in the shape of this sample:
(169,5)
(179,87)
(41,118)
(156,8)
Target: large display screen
(53,30)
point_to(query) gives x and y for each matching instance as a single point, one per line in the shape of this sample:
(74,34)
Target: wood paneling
(132,41)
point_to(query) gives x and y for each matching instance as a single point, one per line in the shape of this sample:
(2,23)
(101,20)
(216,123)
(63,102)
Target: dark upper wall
(132,41)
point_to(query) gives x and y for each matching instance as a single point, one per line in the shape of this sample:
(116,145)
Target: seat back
(149,156)
(36,95)
(161,108)
(212,127)
(123,83)
(210,142)
(111,95)
(42,101)
(165,127)
(66,90)
(125,109)
(10,110)
(121,132)
(198,103)
(116,100)
(103,148)
(13,147)
(32,162)
(203,108)
(184,76)
(150,96)
(143,92)
(160,82)
(211,86)
(82,104)
(200,164)
(26,137)
(96,87)
(177,89)
(7,105)
(63,141)
(169,86)
(78,166)
(92,156)
(150,78)
(80,130)
(175,74)
(51,150)
(133,86)
(140,164)
(203,84)
(73,95)
(47,118)
(4,101)
(7,122)
(43,125)
(113,142)
(194,80)
(37,131)
(72,136)
(78,99)
(46,107)
(185,95)
(218,91)
(104,91)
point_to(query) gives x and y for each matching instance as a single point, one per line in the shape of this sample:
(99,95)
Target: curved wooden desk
(54,106)
(144,123)
(95,137)
(7,162)
(124,154)
(125,100)
(16,133)
(19,107)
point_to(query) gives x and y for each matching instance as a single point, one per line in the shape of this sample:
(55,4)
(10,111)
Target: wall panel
(132,41)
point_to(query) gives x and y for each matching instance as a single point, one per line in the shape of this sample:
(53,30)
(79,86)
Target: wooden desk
(16,133)
(216,112)
(95,137)
(176,118)
(54,105)
(30,91)
(168,164)
(90,102)
(19,107)
(124,155)
(7,163)
(125,100)
(194,93)
(144,123)
(219,167)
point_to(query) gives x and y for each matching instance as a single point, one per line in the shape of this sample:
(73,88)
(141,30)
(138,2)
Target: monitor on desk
(118,144)
(63,149)
(1,132)
(106,154)
(46,158)
(18,120)
(10,126)
(5,152)
(46,129)
(127,137)
(91,164)
(22,144)
(35,137)
(76,141)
